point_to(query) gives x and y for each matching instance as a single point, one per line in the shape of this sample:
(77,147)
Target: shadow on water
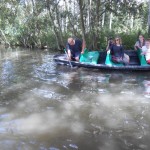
(51,107)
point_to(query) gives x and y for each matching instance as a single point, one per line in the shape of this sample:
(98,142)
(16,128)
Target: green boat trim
(109,62)
(142,58)
(90,57)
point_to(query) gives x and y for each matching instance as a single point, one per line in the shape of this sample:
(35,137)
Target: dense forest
(48,23)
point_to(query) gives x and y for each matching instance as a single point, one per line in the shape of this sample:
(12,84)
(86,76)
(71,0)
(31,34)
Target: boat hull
(134,64)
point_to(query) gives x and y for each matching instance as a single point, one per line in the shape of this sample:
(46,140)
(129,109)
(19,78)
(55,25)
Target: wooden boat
(101,60)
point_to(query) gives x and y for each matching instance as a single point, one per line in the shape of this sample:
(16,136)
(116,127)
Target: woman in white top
(146,50)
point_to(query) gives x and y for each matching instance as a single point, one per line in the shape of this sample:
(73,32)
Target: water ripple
(48,94)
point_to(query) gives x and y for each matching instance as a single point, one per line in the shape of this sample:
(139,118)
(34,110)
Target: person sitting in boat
(75,47)
(110,43)
(146,51)
(140,43)
(117,52)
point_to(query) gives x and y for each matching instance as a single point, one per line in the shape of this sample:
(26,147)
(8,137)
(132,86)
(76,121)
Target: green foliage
(49,24)
(128,40)
(48,39)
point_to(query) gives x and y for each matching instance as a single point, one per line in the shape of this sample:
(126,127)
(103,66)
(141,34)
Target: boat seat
(90,57)
(109,62)
(142,58)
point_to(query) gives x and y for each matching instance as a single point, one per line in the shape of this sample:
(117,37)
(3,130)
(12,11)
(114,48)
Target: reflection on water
(146,84)
(7,72)
(45,106)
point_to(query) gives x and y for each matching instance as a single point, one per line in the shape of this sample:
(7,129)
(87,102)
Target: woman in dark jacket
(117,52)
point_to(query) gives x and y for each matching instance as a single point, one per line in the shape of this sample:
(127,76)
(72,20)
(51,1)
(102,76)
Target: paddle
(68,58)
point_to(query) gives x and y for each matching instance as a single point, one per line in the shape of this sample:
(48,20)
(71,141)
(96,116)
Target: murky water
(48,107)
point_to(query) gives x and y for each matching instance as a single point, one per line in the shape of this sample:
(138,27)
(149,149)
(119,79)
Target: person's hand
(137,47)
(69,58)
(82,52)
(108,51)
(143,53)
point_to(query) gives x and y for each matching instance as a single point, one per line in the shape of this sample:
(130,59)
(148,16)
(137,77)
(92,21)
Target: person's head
(147,43)
(110,40)
(141,37)
(118,41)
(71,41)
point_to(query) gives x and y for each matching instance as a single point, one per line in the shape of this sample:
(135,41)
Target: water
(48,107)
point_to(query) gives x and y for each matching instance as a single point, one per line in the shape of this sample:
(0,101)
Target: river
(44,106)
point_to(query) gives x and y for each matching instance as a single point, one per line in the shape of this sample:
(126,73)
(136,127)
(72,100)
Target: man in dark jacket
(75,47)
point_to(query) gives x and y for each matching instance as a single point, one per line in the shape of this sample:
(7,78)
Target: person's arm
(68,51)
(69,54)
(136,46)
(107,48)
(111,50)
(144,51)
(122,51)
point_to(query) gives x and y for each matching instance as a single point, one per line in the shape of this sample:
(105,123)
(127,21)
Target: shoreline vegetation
(47,24)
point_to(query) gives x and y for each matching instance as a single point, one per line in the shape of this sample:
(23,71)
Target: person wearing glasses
(75,47)
(140,43)
(117,52)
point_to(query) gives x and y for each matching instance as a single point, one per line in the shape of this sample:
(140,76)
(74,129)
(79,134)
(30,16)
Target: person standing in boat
(117,52)
(146,50)
(75,48)
(140,43)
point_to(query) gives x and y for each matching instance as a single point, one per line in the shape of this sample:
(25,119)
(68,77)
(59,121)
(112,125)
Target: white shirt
(146,51)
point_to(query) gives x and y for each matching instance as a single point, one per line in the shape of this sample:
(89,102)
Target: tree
(149,19)
(81,7)
(40,23)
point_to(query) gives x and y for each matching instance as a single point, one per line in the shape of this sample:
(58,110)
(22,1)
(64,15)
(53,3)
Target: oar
(68,58)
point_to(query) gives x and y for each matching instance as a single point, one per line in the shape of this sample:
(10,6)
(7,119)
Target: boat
(101,60)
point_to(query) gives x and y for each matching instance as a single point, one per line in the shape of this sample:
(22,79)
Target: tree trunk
(53,26)
(132,21)
(103,16)
(59,26)
(89,16)
(5,39)
(149,19)
(110,21)
(33,6)
(97,24)
(81,18)
(68,19)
